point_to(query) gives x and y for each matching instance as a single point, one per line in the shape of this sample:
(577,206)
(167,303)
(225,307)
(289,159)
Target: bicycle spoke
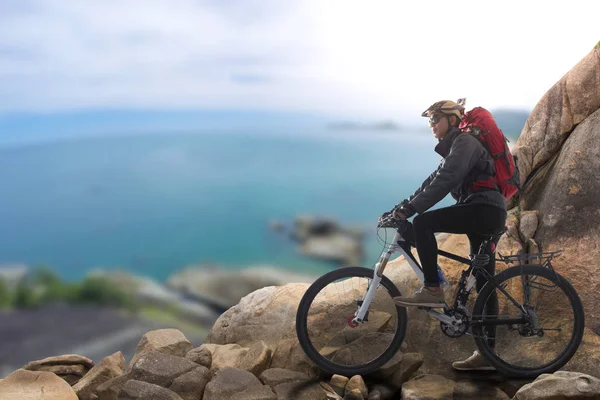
(327,333)
(541,322)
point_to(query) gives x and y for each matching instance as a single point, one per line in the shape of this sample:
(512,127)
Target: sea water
(152,204)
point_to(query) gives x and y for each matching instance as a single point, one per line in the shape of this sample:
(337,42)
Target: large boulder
(166,341)
(558,159)
(254,359)
(434,387)
(35,385)
(564,194)
(269,315)
(160,369)
(110,367)
(561,385)
(190,386)
(236,384)
(570,101)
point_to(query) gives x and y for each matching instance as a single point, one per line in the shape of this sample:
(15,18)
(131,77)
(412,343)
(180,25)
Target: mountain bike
(347,322)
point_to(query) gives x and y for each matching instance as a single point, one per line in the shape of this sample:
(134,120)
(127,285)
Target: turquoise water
(153,204)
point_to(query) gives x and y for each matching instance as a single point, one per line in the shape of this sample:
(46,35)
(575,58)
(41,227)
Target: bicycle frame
(399,244)
(404,250)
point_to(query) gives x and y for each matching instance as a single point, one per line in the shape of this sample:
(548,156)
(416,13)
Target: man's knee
(421,222)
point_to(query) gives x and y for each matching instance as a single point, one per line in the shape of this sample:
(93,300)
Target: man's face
(439,125)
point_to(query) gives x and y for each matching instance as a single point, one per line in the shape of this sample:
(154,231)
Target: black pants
(474,220)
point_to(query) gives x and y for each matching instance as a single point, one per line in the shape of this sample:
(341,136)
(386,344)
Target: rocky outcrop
(558,156)
(224,288)
(158,375)
(323,238)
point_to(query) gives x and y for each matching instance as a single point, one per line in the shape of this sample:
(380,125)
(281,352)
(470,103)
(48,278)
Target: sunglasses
(434,119)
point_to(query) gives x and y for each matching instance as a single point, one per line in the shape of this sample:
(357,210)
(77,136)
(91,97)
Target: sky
(341,58)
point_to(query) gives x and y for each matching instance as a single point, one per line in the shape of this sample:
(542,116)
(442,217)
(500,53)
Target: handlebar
(388,221)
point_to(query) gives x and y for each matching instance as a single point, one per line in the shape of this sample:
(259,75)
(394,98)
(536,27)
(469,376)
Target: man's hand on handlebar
(398,214)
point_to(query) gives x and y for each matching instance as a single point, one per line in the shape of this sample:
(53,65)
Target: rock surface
(561,385)
(166,341)
(110,367)
(224,288)
(233,383)
(70,367)
(138,390)
(35,385)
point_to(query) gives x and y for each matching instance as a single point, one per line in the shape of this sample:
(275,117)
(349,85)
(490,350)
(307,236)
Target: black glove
(405,209)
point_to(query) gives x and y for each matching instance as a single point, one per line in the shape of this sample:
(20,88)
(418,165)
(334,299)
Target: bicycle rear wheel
(325,331)
(554,321)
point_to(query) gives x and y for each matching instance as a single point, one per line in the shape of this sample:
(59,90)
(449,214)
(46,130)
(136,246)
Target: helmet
(447,107)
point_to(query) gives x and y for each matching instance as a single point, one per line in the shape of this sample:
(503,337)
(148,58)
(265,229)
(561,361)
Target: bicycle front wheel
(325,329)
(551,327)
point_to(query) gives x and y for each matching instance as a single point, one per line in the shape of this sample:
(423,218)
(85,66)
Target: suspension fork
(378,269)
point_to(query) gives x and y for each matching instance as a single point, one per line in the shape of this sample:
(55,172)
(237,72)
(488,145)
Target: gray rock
(190,386)
(532,247)
(200,355)
(389,368)
(306,390)
(275,376)
(338,383)
(468,390)
(257,359)
(528,224)
(166,341)
(357,383)
(289,354)
(430,387)
(374,395)
(561,385)
(110,367)
(160,369)
(224,288)
(137,390)
(411,362)
(110,389)
(354,394)
(331,394)
(324,238)
(236,384)
(384,391)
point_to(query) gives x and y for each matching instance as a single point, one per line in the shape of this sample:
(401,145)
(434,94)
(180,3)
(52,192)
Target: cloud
(341,57)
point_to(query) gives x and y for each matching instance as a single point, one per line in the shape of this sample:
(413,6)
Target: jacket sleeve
(463,156)
(425,183)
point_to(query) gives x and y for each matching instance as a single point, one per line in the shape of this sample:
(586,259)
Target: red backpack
(480,123)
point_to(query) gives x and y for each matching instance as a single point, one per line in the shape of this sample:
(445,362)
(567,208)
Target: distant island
(378,126)
(510,121)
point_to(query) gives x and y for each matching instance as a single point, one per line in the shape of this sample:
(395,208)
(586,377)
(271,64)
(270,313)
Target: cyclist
(476,212)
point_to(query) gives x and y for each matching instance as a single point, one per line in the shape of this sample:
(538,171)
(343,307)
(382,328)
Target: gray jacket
(464,162)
